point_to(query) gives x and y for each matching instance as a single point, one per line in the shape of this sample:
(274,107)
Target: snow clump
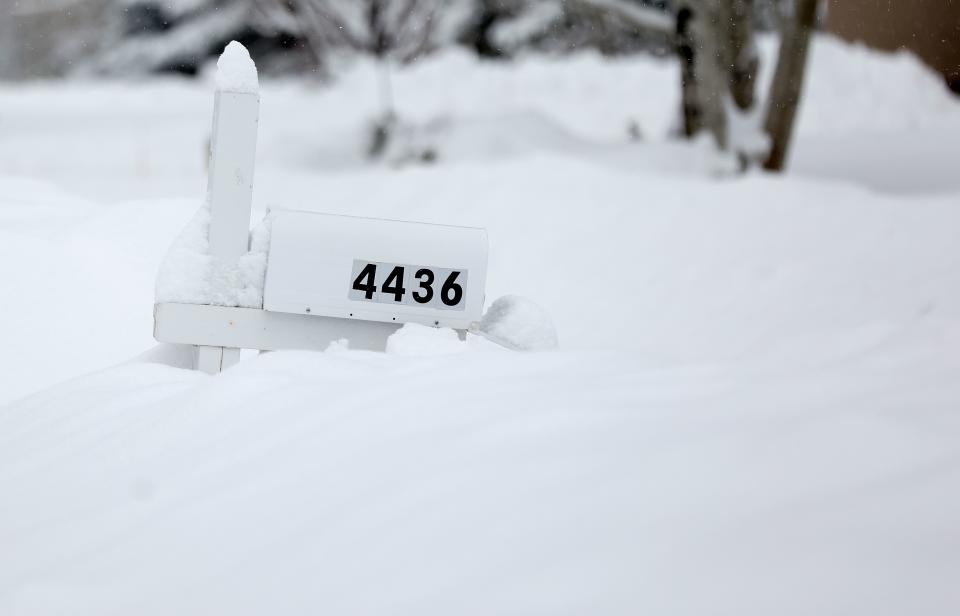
(189,275)
(236,71)
(517,323)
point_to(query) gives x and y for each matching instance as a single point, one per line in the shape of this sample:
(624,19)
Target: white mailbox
(328,278)
(376,270)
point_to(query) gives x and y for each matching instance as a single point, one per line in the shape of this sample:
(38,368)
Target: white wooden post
(233,147)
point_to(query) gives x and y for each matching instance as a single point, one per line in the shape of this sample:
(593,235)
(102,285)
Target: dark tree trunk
(479,35)
(787,84)
(687,50)
(743,56)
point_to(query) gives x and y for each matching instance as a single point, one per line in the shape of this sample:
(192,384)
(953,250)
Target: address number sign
(387,283)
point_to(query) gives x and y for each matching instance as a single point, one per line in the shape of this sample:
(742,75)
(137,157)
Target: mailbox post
(233,147)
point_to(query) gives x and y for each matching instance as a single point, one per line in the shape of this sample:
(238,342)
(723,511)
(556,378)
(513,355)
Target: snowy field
(754,408)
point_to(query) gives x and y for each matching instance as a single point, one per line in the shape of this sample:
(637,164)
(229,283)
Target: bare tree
(787,83)
(718,63)
(387,30)
(397,29)
(719,67)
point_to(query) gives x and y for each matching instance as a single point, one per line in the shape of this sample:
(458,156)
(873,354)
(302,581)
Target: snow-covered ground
(753,410)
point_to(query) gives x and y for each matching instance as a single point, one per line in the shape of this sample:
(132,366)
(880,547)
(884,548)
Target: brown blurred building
(929,28)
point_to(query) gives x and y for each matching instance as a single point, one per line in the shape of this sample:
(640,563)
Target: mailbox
(375,270)
(328,278)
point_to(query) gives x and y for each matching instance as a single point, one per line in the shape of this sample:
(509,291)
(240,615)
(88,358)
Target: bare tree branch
(639,16)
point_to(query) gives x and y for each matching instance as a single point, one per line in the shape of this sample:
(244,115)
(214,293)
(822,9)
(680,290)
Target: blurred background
(56,38)
(736,68)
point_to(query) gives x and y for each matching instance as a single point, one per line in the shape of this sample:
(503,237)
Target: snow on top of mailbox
(190,275)
(236,71)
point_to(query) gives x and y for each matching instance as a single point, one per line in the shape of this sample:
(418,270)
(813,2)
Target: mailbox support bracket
(252,328)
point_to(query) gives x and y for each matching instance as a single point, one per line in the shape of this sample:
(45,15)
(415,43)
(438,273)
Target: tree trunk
(713,66)
(479,35)
(8,42)
(702,44)
(686,50)
(743,53)
(788,81)
(718,59)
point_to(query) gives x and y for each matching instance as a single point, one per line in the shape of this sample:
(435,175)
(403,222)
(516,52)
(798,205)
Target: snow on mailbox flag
(376,270)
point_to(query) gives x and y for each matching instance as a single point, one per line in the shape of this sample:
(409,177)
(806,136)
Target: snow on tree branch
(641,17)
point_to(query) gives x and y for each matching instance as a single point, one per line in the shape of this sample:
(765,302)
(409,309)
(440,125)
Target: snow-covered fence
(302,280)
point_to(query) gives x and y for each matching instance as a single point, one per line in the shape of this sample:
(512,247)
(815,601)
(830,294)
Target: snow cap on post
(236,71)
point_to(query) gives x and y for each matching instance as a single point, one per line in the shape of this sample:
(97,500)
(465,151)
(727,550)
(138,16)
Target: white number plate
(440,288)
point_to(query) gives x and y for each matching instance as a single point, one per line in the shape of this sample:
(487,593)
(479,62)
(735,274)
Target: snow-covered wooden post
(233,147)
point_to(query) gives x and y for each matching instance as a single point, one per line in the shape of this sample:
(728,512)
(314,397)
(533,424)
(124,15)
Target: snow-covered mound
(753,409)
(490,482)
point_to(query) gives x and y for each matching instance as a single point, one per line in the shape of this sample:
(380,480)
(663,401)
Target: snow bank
(490,483)
(236,71)
(418,340)
(413,340)
(189,275)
